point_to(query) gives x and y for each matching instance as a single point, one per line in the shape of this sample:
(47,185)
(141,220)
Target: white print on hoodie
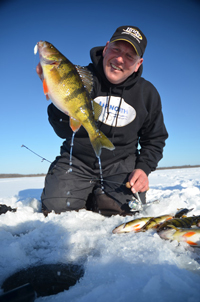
(126,113)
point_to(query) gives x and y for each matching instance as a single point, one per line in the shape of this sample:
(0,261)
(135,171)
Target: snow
(118,267)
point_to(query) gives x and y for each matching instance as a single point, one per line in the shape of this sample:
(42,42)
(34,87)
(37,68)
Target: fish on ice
(189,235)
(184,222)
(154,222)
(134,225)
(147,223)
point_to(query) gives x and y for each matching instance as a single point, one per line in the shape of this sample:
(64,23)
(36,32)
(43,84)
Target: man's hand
(39,71)
(139,181)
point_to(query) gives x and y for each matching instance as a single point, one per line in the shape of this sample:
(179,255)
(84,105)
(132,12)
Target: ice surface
(118,267)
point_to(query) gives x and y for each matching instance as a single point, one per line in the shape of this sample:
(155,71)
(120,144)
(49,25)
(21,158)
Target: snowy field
(118,267)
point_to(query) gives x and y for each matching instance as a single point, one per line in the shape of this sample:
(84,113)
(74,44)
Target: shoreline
(16,175)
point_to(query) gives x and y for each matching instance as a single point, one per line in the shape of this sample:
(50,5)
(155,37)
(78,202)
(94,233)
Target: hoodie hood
(97,60)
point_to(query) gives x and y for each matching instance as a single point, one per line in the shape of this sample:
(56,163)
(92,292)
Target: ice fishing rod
(88,178)
(127,184)
(36,154)
(135,203)
(85,176)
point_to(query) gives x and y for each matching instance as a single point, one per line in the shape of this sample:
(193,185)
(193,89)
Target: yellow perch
(131,226)
(69,86)
(154,222)
(147,223)
(185,222)
(189,235)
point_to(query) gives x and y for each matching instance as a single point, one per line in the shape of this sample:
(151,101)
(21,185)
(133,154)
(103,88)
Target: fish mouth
(119,229)
(44,48)
(166,234)
(40,47)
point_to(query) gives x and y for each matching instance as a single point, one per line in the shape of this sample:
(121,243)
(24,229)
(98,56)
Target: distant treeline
(20,175)
(178,167)
(37,175)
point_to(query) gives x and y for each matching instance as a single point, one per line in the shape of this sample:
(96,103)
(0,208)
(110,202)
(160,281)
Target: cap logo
(133,32)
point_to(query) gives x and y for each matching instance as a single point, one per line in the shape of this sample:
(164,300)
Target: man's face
(120,61)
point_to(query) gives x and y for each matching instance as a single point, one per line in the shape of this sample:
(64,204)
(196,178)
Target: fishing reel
(135,205)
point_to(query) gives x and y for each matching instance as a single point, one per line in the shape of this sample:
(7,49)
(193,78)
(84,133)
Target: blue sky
(171,63)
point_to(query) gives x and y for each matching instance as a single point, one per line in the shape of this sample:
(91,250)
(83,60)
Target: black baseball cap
(133,35)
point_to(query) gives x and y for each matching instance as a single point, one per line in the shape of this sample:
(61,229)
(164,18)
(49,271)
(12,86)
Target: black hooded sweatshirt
(131,114)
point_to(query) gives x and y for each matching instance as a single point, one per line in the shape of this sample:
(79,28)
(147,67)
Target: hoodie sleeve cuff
(144,167)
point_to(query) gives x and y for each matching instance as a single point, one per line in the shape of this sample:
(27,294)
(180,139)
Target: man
(131,115)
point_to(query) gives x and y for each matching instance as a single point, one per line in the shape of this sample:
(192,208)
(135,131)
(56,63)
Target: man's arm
(152,138)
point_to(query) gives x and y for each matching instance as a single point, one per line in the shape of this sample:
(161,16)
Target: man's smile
(115,67)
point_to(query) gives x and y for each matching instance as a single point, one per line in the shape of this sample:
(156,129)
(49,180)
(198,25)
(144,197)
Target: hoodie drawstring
(116,119)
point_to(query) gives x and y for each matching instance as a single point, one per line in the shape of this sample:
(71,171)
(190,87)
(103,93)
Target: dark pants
(78,187)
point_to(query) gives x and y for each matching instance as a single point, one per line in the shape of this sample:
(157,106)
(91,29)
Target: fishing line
(135,205)
(84,177)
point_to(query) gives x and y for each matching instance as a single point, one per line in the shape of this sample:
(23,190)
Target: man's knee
(59,205)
